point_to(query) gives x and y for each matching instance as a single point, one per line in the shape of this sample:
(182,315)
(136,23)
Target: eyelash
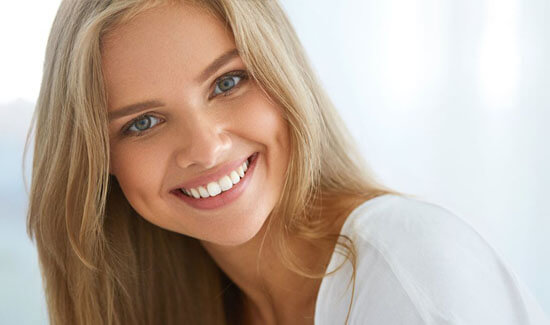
(126,129)
(243,75)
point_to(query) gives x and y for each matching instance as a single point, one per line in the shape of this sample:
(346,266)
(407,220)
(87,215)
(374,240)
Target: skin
(159,56)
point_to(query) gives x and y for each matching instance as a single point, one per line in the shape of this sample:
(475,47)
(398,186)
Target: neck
(273,293)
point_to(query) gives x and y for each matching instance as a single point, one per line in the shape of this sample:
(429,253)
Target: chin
(236,236)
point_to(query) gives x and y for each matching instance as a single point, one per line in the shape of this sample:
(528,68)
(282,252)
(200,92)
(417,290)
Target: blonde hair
(102,263)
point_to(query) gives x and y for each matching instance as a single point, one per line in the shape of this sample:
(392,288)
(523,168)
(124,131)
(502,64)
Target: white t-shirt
(418,263)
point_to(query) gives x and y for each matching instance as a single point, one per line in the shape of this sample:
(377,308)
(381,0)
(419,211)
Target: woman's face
(184,115)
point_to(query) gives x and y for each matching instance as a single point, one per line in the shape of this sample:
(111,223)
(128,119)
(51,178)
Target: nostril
(201,141)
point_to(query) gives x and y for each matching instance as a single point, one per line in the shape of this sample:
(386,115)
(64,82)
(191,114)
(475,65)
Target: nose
(204,143)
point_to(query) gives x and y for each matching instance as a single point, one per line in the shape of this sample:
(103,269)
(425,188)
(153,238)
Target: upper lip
(214,176)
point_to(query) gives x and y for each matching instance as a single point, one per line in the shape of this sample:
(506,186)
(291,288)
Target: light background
(447,99)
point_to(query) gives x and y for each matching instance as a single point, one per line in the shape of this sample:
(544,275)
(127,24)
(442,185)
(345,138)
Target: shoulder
(410,231)
(389,216)
(429,265)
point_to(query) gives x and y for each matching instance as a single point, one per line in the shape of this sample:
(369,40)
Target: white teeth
(195,193)
(240,171)
(213,188)
(225,183)
(203,192)
(234,177)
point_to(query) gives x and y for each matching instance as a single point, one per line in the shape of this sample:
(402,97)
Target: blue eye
(228,82)
(142,124)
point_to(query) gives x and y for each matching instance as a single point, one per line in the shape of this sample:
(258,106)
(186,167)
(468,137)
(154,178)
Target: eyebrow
(134,108)
(209,70)
(217,64)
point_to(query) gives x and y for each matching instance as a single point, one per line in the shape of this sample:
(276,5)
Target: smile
(223,184)
(227,188)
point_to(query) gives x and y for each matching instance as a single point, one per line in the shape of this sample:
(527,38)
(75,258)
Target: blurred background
(448,100)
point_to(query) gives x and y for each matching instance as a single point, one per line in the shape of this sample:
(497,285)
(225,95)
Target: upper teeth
(223,184)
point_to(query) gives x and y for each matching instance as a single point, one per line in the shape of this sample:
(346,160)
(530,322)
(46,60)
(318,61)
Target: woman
(189,169)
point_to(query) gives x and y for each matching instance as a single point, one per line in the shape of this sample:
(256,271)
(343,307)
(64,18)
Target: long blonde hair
(102,263)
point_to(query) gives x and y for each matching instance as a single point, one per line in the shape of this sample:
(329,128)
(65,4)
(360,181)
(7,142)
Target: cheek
(138,169)
(265,124)
(263,121)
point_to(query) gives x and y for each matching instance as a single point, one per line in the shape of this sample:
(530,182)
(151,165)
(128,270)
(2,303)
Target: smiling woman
(189,169)
(195,135)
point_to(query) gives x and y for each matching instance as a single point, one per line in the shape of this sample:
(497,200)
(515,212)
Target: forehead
(161,48)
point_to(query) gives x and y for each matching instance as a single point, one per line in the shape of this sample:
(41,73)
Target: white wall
(449,99)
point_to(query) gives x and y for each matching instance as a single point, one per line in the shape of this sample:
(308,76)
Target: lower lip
(223,198)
